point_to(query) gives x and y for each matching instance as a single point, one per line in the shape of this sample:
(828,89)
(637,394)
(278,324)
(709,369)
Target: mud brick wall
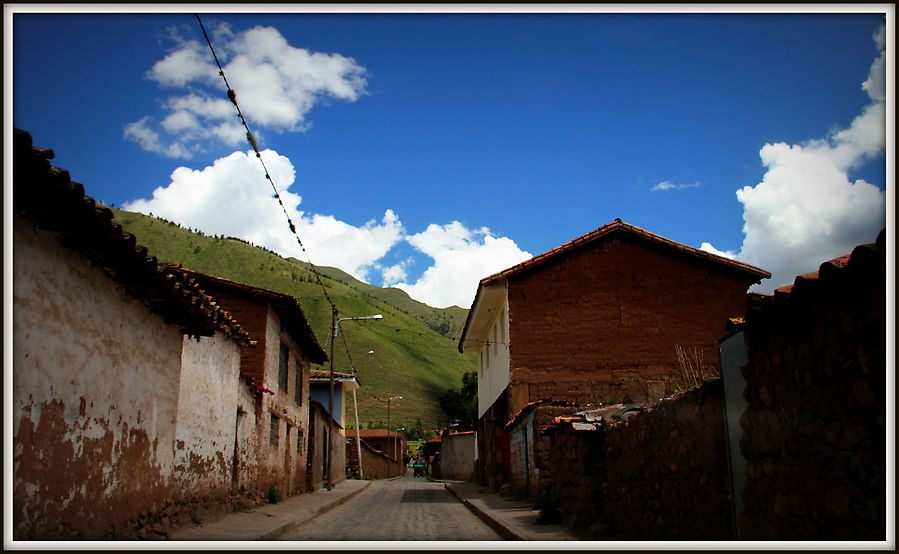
(814,428)
(601,324)
(667,470)
(375,464)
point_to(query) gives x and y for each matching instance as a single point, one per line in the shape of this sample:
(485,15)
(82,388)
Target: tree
(462,404)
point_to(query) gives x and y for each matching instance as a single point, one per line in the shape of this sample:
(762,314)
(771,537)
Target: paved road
(409,508)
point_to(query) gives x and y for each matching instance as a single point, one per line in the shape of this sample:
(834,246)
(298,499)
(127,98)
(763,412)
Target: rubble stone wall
(814,429)
(667,470)
(661,474)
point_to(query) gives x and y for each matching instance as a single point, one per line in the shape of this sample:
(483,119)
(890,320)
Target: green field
(415,344)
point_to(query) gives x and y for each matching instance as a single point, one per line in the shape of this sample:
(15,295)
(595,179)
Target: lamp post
(356,411)
(388,414)
(394,447)
(336,325)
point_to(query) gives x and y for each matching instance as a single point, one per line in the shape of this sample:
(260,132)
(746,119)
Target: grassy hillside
(415,345)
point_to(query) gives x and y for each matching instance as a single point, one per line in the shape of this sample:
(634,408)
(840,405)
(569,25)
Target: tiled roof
(860,268)
(620,226)
(596,419)
(48,197)
(326,375)
(522,413)
(286,306)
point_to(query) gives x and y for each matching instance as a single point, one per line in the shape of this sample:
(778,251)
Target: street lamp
(394,447)
(388,414)
(356,411)
(335,329)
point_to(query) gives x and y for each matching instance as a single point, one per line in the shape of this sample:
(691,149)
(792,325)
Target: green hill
(415,344)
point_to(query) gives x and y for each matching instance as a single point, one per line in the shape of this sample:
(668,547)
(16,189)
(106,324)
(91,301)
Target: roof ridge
(611,227)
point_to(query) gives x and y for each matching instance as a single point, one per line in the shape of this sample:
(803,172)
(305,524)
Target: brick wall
(253,319)
(814,428)
(661,474)
(601,324)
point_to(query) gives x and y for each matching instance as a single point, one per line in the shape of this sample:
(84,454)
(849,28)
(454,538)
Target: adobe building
(125,376)
(598,320)
(273,409)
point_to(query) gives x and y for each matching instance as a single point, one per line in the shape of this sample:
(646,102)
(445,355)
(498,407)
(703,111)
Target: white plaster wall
(95,390)
(207,412)
(457,457)
(493,360)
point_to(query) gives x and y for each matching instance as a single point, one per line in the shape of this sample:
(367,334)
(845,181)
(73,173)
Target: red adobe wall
(601,324)
(252,317)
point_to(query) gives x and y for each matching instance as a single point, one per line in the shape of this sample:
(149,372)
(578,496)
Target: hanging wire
(252,140)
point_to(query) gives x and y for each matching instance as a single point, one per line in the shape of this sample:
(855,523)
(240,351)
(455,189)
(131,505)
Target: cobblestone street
(402,509)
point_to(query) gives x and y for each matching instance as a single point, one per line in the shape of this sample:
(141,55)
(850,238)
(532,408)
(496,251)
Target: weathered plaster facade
(95,397)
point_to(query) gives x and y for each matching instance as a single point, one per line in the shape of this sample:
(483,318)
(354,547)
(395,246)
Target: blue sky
(427,151)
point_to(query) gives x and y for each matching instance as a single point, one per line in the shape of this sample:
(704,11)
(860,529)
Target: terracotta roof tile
(865,261)
(620,226)
(287,307)
(48,197)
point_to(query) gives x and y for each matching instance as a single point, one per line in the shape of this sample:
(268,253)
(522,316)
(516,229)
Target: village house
(125,377)
(273,426)
(320,391)
(611,316)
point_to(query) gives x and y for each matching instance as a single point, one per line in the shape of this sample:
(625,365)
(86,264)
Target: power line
(233,97)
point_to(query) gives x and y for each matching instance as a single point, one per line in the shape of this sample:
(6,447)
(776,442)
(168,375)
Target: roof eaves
(84,226)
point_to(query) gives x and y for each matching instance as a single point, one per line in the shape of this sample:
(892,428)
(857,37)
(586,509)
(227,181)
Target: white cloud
(707,247)
(232,197)
(462,257)
(806,210)
(276,86)
(668,185)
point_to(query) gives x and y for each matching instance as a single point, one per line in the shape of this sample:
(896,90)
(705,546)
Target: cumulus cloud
(729,254)
(276,85)
(668,185)
(462,257)
(807,210)
(232,197)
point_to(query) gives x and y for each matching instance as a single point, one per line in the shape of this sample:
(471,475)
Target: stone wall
(659,474)
(814,429)
(667,470)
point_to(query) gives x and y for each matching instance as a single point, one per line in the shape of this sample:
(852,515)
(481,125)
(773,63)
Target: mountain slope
(411,358)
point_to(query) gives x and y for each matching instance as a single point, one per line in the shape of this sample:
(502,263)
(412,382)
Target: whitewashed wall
(95,391)
(207,415)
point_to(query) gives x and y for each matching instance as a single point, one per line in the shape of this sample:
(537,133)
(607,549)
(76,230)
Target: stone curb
(290,525)
(484,516)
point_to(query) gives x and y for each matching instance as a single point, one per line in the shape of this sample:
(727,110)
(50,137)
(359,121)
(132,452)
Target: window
(282,367)
(273,431)
(299,441)
(287,435)
(298,385)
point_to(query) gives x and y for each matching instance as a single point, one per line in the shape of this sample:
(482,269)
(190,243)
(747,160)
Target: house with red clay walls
(125,376)
(273,410)
(611,316)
